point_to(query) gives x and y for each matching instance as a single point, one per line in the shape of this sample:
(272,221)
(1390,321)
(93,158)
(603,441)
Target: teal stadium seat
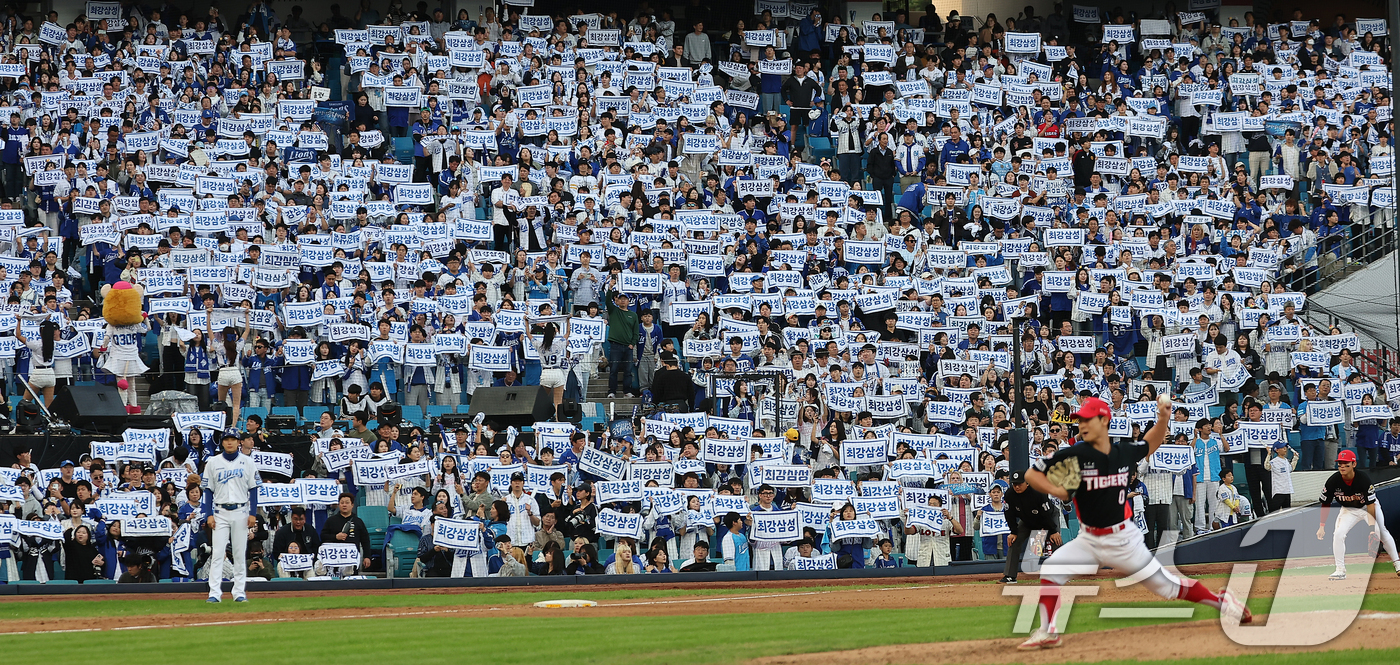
(403,549)
(439,410)
(376,519)
(403,149)
(818,146)
(290,411)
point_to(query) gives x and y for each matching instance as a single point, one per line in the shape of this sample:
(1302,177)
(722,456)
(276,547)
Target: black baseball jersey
(1358,493)
(1102,498)
(1032,510)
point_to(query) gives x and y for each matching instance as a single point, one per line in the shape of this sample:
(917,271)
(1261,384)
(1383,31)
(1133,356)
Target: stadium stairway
(618,407)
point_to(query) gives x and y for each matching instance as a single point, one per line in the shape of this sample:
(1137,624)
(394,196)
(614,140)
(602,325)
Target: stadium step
(621,407)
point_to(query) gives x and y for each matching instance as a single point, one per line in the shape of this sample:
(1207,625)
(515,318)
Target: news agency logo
(1307,609)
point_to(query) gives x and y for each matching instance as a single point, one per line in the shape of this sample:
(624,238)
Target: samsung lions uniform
(230,494)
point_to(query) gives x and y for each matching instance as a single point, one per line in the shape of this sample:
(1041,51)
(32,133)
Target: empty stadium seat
(819,146)
(401,552)
(403,149)
(290,411)
(439,410)
(312,414)
(376,519)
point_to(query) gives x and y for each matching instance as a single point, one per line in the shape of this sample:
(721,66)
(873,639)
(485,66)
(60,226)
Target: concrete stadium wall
(1225,546)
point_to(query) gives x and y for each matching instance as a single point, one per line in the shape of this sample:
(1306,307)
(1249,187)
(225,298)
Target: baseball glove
(1065,474)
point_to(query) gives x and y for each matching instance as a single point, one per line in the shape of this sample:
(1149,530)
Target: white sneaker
(1041,639)
(1337,576)
(612,395)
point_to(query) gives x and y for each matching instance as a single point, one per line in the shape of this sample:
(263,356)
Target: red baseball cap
(1093,408)
(1346,456)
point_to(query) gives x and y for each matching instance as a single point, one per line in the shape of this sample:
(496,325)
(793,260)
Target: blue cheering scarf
(197,362)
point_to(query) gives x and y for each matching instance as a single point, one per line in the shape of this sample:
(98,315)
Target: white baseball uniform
(230,483)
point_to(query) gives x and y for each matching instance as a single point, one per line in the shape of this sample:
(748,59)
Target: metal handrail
(1355,253)
(1385,370)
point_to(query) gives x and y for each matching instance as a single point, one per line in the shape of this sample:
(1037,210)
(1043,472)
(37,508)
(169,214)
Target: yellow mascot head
(121,304)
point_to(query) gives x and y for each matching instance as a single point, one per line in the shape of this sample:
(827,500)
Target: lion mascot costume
(126,334)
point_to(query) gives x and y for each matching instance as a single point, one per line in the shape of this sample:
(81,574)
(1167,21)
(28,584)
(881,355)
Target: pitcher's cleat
(1337,577)
(1041,639)
(1231,606)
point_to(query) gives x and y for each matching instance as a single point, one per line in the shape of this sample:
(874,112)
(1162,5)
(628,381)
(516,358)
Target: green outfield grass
(721,638)
(557,640)
(137,605)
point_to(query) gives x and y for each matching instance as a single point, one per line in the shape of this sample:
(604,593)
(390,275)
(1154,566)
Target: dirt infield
(747,597)
(1204,569)
(1165,642)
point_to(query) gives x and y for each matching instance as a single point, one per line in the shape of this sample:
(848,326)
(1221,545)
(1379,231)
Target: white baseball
(1164,401)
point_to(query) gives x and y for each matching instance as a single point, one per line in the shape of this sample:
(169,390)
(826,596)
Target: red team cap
(1093,408)
(1346,456)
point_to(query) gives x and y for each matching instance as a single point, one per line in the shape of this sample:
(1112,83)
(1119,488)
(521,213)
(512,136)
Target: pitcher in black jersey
(1107,534)
(1353,491)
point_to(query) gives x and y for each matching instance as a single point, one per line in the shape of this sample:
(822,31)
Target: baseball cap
(1346,456)
(67,462)
(1093,408)
(1018,477)
(517,476)
(791,434)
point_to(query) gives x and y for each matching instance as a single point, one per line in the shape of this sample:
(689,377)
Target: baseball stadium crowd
(816,251)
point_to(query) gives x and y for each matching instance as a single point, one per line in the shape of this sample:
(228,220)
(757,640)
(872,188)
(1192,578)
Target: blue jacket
(261,371)
(808,37)
(296,377)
